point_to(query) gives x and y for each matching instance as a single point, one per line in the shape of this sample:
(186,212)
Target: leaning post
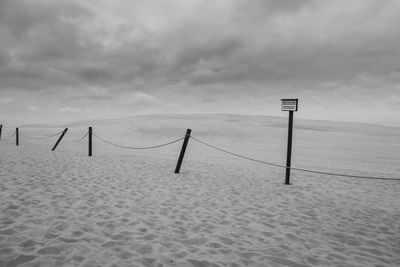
(1,128)
(90,141)
(59,139)
(183,150)
(16,136)
(290,105)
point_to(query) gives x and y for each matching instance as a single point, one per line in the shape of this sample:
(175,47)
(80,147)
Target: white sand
(127,208)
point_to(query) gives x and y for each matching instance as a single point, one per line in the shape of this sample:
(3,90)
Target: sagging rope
(294,168)
(80,139)
(237,155)
(43,137)
(126,147)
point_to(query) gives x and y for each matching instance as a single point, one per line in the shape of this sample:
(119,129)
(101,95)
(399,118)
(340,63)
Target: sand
(128,208)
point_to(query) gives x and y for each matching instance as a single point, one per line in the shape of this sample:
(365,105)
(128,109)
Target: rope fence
(80,139)
(185,139)
(41,138)
(128,147)
(294,168)
(237,155)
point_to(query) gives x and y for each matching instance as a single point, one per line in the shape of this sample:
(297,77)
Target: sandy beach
(128,208)
(252,90)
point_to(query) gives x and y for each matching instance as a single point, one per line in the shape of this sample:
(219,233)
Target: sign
(289,104)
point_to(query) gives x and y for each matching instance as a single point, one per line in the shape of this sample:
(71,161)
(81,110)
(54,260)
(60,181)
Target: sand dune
(127,208)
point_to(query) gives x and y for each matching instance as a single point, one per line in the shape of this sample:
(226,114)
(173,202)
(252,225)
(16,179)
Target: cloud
(94,73)
(138,52)
(141,99)
(41,37)
(238,45)
(90,97)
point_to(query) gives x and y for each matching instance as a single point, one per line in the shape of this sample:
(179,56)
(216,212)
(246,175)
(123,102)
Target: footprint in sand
(5,222)
(111,244)
(29,243)
(142,249)
(285,262)
(20,259)
(226,241)
(197,263)
(78,258)
(214,245)
(148,237)
(77,233)
(7,232)
(50,235)
(125,255)
(6,252)
(49,251)
(68,240)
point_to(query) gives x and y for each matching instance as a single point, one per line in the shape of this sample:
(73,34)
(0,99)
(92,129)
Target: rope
(80,139)
(43,137)
(346,175)
(293,168)
(15,132)
(237,155)
(150,147)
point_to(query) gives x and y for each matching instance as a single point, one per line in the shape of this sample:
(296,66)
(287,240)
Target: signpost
(289,105)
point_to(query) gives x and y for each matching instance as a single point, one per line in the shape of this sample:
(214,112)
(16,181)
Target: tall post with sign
(290,105)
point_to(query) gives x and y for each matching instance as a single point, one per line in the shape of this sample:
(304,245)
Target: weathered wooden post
(16,136)
(183,150)
(289,105)
(90,141)
(59,139)
(1,128)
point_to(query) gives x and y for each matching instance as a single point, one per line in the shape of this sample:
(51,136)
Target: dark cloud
(23,17)
(50,36)
(46,40)
(94,73)
(262,9)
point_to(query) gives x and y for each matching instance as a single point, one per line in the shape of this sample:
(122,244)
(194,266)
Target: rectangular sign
(289,104)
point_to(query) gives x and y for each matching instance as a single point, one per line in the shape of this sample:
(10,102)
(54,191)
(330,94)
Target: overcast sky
(67,60)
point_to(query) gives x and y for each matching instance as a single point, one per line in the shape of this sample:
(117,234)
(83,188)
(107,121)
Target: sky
(62,61)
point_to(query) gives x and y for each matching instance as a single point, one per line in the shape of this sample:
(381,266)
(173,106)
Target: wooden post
(289,148)
(1,128)
(16,137)
(183,150)
(59,139)
(90,141)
